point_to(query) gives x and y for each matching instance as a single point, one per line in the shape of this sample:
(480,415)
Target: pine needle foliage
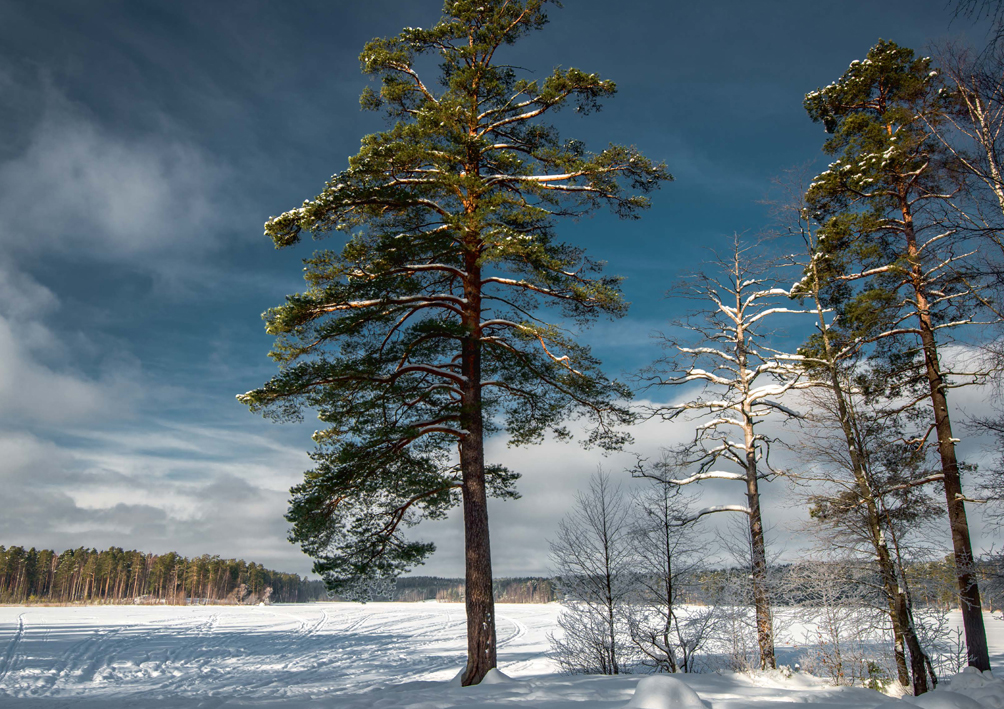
(444,317)
(889,261)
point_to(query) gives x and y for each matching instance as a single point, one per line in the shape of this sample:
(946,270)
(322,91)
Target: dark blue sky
(145,143)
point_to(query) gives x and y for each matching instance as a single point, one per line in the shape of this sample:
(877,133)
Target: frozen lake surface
(301,650)
(337,655)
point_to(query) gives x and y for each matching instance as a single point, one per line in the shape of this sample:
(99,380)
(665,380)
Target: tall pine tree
(434,326)
(833,358)
(886,258)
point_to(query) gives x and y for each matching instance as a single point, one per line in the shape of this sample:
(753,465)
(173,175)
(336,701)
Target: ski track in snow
(308,650)
(333,654)
(10,653)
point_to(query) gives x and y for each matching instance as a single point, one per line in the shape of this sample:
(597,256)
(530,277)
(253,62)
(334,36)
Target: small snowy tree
(741,383)
(869,510)
(839,608)
(592,557)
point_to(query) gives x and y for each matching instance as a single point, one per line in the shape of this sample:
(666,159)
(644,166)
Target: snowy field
(339,655)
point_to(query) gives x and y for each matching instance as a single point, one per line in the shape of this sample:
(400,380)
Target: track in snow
(10,653)
(160,652)
(319,656)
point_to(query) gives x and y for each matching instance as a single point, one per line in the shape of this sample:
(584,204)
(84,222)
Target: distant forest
(528,589)
(115,576)
(118,576)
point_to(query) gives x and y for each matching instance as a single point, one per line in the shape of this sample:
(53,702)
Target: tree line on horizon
(115,576)
(528,589)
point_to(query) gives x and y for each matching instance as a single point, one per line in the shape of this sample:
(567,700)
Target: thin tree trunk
(670,614)
(761,599)
(611,626)
(893,601)
(918,658)
(758,554)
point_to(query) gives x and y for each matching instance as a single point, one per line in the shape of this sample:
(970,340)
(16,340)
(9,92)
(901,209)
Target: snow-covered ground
(348,656)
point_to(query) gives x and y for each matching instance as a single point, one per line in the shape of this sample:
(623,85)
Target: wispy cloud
(161,487)
(75,185)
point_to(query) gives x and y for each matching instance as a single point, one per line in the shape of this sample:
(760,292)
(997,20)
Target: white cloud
(77,185)
(22,297)
(39,379)
(80,467)
(226,495)
(553,473)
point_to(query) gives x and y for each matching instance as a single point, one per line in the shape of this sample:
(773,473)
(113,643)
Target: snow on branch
(772,311)
(727,356)
(710,475)
(503,323)
(781,407)
(697,373)
(430,369)
(405,69)
(526,285)
(446,300)
(712,510)
(753,297)
(936,477)
(564,360)
(721,421)
(954,323)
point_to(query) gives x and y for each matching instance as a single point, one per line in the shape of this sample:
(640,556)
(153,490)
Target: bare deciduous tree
(592,557)
(670,636)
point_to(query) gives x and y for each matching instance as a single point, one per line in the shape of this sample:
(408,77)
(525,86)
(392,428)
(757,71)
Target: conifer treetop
(445,316)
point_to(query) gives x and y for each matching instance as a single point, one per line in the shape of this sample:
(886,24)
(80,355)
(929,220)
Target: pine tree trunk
(479,596)
(480,602)
(969,592)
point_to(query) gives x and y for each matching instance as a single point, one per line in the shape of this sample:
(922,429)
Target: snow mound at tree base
(946,699)
(980,687)
(664,692)
(493,676)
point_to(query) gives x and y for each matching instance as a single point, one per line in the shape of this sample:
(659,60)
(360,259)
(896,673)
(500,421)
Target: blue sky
(145,144)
